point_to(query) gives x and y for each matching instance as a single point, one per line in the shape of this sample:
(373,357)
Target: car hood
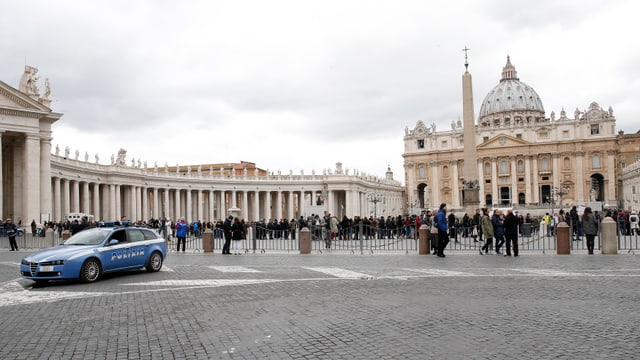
(60,252)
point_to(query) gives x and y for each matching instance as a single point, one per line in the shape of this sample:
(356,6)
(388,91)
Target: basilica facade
(523,157)
(44,184)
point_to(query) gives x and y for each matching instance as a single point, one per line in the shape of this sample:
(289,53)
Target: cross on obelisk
(466,62)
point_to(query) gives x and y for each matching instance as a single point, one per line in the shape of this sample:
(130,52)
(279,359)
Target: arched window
(567,163)
(544,164)
(504,167)
(520,166)
(595,161)
(487,169)
(445,171)
(422,173)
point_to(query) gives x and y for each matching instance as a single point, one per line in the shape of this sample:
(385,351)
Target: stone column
(14,196)
(536,184)
(245,206)
(267,205)
(455,199)
(45,178)
(223,205)
(96,202)
(31,179)
(177,196)
(256,206)
(118,201)
(75,205)
(579,171)
(86,208)
(211,206)
(57,202)
(166,212)
(234,199)
(278,214)
(330,203)
(200,207)
(300,203)
(494,181)
(156,203)
(1,181)
(143,205)
(65,197)
(527,179)
(556,171)
(435,180)
(189,205)
(112,203)
(481,195)
(611,176)
(290,205)
(514,180)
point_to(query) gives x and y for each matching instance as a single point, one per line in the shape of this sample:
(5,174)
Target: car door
(138,247)
(116,256)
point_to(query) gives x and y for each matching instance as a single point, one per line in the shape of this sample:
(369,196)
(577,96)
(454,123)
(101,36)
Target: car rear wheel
(90,271)
(155,262)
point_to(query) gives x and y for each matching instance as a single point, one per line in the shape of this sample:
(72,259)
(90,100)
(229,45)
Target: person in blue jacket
(443,235)
(181,233)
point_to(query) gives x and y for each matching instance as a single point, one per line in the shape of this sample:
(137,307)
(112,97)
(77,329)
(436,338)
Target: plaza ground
(328,306)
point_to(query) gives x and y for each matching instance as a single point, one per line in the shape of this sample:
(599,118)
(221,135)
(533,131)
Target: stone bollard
(305,241)
(207,241)
(563,240)
(66,234)
(608,237)
(49,235)
(423,245)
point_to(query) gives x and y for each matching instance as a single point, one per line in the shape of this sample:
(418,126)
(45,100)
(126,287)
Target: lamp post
(560,192)
(375,198)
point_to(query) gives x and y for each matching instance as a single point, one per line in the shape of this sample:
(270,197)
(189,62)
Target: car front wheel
(90,271)
(155,262)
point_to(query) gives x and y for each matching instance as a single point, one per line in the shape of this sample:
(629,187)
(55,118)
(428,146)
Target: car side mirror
(113,242)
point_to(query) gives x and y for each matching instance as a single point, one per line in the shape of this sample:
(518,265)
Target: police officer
(12,231)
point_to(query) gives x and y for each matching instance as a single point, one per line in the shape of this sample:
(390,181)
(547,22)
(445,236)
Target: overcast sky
(305,84)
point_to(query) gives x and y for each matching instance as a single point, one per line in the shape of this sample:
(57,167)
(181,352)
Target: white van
(72,217)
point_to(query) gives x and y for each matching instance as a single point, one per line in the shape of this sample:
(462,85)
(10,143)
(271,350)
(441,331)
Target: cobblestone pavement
(204,306)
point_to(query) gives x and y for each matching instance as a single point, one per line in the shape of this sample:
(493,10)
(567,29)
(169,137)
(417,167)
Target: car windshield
(88,237)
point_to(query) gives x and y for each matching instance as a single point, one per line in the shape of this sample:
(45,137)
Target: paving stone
(281,307)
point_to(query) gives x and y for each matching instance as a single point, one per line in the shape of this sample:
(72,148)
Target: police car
(93,252)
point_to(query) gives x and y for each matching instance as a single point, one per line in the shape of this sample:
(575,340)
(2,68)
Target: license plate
(46,268)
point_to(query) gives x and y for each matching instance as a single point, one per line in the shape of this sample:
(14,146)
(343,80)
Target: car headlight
(25,262)
(54,262)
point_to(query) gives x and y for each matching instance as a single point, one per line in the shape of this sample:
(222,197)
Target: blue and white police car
(93,252)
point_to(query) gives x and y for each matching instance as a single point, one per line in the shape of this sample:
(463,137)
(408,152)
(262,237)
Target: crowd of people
(497,230)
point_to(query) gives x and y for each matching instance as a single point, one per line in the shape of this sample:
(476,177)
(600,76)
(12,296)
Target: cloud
(292,84)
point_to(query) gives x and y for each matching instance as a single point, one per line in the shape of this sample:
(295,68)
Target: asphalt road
(209,306)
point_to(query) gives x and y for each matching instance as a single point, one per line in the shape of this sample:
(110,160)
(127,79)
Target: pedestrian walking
(443,236)
(498,229)
(487,231)
(12,231)
(590,228)
(510,224)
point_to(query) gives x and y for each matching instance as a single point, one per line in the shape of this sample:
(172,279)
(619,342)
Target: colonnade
(152,195)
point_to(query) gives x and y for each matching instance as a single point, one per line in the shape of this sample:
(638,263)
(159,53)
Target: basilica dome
(511,95)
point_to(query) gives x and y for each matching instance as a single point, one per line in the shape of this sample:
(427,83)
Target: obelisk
(471,188)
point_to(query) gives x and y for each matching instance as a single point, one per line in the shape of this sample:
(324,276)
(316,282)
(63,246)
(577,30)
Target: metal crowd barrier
(364,239)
